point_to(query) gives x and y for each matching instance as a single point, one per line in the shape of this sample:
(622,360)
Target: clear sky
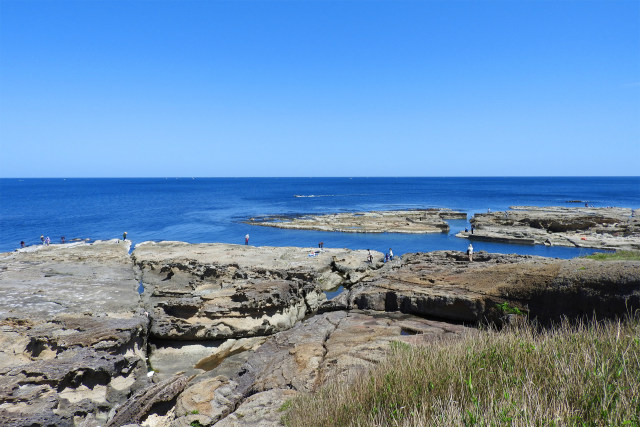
(319,88)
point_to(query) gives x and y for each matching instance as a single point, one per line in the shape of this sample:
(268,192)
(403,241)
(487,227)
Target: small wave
(329,195)
(315,195)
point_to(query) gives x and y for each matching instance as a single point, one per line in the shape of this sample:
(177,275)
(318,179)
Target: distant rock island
(178,334)
(417,221)
(602,228)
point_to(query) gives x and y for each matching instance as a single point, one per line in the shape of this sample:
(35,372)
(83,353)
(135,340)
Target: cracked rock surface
(221,291)
(445,285)
(601,228)
(72,335)
(417,221)
(327,347)
(243,323)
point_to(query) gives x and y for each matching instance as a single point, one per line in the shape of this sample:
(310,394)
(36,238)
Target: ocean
(201,210)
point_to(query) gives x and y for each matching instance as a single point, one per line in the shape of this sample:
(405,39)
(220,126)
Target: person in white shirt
(470,252)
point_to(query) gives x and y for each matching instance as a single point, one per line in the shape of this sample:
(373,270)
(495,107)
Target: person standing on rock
(124,236)
(369,256)
(470,252)
(390,255)
(246,239)
(42,238)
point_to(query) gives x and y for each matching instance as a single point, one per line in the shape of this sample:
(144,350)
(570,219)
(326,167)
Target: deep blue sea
(212,209)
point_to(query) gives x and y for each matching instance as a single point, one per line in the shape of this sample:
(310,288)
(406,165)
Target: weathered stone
(602,228)
(333,345)
(260,409)
(446,285)
(139,406)
(417,221)
(42,281)
(77,359)
(219,291)
(197,356)
(72,335)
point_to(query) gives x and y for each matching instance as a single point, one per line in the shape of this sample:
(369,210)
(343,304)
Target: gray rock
(418,221)
(446,285)
(602,228)
(220,291)
(72,335)
(327,347)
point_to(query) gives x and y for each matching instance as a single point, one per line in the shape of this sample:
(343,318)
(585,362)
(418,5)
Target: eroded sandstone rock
(417,221)
(220,291)
(445,285)
(330,346)
(72,334)
(602,228)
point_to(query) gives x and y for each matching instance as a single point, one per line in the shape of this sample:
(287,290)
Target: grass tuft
(585,374)
(615,256)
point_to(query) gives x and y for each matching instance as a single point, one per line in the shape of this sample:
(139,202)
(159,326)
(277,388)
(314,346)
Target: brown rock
(72,335)
(333,345)
(602,228)
(219,291)
(417,221)
(446,285)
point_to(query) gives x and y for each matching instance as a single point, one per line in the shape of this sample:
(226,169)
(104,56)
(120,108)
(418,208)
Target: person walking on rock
(470,252)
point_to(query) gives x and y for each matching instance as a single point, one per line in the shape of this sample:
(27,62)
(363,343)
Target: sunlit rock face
(601,228)
(220,291)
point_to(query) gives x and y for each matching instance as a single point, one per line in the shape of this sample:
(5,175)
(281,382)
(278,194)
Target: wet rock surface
(602,228)
(445,285)
(406,221)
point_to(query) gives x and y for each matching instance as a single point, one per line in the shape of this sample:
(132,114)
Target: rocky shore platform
(405,221)
(178,334)
(600,228)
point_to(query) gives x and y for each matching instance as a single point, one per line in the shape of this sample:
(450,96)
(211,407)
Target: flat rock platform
(418,221)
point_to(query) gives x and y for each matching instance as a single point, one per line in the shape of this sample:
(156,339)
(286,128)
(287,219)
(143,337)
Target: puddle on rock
(334,293)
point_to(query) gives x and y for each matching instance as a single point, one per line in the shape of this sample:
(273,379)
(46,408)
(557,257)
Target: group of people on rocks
(387,256)
(46,241)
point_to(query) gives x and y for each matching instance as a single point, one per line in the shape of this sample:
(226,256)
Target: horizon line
(322,177)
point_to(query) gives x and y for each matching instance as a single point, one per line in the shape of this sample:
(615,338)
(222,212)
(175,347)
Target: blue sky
(319,88)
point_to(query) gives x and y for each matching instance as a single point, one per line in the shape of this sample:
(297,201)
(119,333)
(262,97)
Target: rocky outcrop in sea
(602,228)
(418,221)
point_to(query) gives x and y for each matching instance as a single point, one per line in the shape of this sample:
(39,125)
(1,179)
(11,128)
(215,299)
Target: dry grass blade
(567,375)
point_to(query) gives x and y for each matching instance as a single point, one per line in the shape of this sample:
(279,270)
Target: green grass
(615,256)
(507,309)
(568,375)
